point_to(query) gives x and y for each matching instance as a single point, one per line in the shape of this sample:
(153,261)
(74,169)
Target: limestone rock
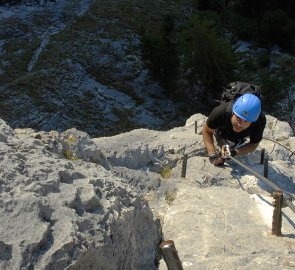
(58,212)
(74,202)
(5,131)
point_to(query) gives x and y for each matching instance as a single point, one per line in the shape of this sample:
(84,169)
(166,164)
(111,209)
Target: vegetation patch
(206,53)
(128,90)
(18,53)
(71,142)
(170,196)
(125,123)
(36,85)
(166,172)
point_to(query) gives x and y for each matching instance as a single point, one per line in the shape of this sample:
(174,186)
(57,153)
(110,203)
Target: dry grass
(170,196)
(70,141)
(166,172)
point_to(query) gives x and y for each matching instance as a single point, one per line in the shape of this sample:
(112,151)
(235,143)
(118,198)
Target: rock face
(217,217)
(221,228)
(62,211)
(72,202)
(79,64)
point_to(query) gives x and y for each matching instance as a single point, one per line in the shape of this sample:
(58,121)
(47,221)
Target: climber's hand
(226,151)
(216,159)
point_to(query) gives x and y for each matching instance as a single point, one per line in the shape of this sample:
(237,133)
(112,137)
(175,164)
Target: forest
(198,48)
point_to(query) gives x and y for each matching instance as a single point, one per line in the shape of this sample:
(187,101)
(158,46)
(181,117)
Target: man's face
(239,124)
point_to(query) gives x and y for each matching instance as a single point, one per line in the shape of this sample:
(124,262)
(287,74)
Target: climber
(231,123)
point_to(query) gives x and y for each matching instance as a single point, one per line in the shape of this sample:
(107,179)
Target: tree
(206,53)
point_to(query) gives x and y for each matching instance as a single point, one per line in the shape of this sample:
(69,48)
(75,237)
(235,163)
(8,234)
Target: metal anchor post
(170,255)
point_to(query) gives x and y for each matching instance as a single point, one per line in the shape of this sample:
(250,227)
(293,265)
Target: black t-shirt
(220,119)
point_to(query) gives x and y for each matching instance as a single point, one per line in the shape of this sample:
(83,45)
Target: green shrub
(206,54)
(242,27)
(265,22)
(216,5)
(263,60)
(161,54)
(273,89)
(277,28)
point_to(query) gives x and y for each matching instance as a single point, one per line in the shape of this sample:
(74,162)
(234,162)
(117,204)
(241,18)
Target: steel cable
(274,186)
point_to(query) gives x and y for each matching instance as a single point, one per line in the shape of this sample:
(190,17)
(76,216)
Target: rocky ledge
(69,201)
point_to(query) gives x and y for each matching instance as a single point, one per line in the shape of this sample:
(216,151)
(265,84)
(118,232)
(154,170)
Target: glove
(226,151)
(216,159)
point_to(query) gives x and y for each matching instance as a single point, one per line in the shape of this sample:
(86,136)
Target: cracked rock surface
(69,201)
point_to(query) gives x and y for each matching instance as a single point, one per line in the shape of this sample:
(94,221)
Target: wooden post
(184,165)
(265,172)
(170,255)
(262,156)
(196,127)
(277,213)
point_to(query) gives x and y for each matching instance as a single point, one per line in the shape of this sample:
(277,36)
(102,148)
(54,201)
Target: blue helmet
(247,107)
